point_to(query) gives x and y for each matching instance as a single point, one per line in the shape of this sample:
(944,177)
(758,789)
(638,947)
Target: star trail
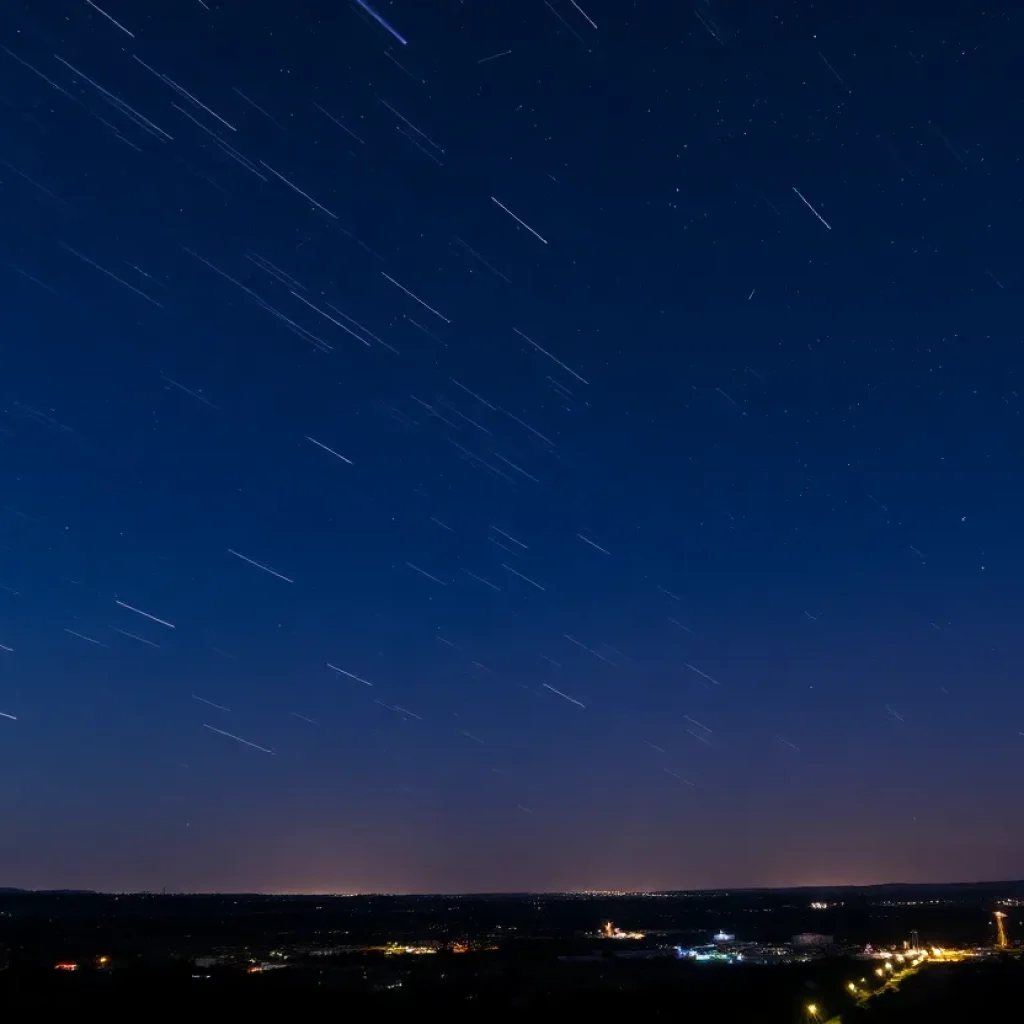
(578,443)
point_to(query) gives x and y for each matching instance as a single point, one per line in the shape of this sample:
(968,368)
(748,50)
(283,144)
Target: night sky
(463,446)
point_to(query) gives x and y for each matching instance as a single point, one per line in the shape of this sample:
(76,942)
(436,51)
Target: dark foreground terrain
(964,993)
(765,957)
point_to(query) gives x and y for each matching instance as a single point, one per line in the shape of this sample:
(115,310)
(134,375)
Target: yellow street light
(851,986)
(812,1010)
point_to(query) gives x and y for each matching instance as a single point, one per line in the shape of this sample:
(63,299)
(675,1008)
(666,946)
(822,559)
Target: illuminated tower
(1001,942)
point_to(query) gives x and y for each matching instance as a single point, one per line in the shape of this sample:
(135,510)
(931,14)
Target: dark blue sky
(716,583)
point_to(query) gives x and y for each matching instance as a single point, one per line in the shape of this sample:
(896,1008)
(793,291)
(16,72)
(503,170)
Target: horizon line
(724,890)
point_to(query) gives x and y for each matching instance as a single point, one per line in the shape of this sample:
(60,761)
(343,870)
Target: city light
(1001,940)
(609,931)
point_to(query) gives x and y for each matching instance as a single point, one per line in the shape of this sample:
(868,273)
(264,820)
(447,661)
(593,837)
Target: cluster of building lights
(67,965)
(609,931)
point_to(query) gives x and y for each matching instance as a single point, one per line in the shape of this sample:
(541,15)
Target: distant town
(821,955)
